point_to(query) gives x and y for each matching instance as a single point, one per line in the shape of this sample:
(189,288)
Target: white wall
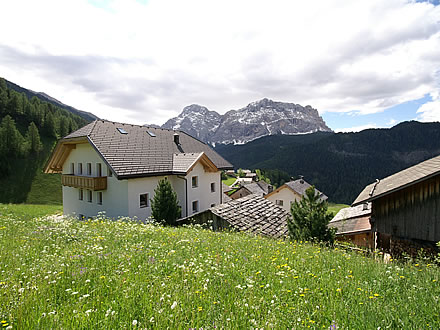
(286,195)
(203,193)
(114,198)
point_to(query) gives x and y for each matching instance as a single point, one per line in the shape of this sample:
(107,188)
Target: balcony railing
(86,182)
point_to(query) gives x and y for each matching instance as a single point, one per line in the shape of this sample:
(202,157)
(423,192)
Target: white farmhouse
(115,168)
(291,191)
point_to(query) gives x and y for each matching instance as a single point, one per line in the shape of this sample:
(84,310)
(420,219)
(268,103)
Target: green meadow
(100,274)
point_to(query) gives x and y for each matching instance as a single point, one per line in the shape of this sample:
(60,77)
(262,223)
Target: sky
(361,64)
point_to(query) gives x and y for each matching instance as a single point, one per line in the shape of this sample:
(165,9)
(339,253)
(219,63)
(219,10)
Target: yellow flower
(200,308)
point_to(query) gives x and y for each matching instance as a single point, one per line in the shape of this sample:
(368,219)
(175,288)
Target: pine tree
(11,137)
(33,139)
(164,205)
(309,219)
(49,124)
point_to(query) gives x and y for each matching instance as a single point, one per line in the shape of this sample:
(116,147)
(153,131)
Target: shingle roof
(352,219)
(300,186)
(254,214)
(352,212)
(137,153)
(182,162)
(258,188)
(400,180)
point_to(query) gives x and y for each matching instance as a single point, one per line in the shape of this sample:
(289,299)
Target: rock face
(258,119)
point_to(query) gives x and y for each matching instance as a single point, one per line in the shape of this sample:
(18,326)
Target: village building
(115,168)
(352,225)
(260,188)
(290,192)
(251,213)
(405,214)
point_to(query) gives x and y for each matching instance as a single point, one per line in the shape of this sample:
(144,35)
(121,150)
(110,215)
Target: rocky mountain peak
(257,119)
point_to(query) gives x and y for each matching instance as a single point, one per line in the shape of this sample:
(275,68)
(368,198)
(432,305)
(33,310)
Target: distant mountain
(257,119)
(340,165)
(46,98)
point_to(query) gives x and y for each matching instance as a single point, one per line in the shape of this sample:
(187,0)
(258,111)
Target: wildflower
(200,308)
(174,305)
(135,322)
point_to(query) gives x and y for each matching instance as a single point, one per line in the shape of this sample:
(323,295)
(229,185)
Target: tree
(33,139)
(10,137)
(309,219)
(240,173)
(164,205)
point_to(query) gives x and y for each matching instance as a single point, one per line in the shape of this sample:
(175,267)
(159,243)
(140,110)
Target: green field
(336,207)
(58,273)
(229,181)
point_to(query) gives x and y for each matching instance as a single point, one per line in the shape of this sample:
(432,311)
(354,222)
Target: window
(195,205)
(150,133)
(98,169)
(122,131)
(109,172)
(212,186)
(81,194)
(144,200)
(72,168)
(99,197)
(89,196)
(195,181)
(89,168)
(80,168)
(279,202)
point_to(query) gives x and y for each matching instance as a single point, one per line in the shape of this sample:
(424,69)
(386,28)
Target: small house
(260,188)
(289,192)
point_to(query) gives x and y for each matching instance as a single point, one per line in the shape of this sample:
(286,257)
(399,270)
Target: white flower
(174,305)
(152,319)
(135,322)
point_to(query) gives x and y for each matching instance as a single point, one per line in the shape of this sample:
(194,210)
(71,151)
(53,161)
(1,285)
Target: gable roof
(253,214)
(352,220)
(258,188)
(400,180)
(137,153)
(298,186)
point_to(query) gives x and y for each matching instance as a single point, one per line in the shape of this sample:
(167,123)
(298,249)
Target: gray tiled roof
(400,180)
(300,186)
(352,212)
(138,154)
(182,162)
(352,219)
(258,188)
(254,214)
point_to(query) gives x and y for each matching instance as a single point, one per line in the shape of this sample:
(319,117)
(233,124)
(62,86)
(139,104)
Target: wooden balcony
(85,182)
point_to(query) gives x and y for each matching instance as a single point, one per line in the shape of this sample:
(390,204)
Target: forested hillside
(29,129)
(341,164)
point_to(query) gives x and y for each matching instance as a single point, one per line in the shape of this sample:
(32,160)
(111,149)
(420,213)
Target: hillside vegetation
(57,273)
(342,164)
(29,129)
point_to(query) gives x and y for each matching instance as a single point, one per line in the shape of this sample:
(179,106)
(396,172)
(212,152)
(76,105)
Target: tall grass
(63,273)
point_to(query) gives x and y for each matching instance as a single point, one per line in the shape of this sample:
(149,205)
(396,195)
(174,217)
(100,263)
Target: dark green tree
(11,138)
(33,139)
(49,124)
(240,173)
(164,205)
(309,219)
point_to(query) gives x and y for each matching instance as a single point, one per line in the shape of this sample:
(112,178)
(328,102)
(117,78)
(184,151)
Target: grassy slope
(229,181)
(103,274)
(335,208)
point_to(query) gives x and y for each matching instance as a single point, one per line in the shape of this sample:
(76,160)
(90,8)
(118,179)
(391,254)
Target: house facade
(290,192)
(406,208)
(115,168)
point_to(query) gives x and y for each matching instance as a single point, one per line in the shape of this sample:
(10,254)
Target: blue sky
(359,63)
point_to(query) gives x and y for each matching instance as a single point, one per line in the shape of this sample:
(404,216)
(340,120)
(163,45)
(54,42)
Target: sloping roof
(400,180)
(254,214)
(138,153)
(299,186)
(226,188)
(259,188)
(352,220)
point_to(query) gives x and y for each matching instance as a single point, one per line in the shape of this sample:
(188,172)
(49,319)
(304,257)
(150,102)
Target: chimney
(176,138)
(269,189)
(301,179)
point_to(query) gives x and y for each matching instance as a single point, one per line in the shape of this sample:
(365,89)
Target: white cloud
(143,63)
(430,111)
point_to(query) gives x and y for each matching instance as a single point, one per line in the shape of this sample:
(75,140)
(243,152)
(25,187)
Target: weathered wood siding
(411,213)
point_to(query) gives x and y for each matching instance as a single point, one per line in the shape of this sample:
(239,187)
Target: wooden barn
(352,225)
(406,208)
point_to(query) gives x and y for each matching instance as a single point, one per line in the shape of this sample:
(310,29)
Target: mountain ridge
(257,119)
